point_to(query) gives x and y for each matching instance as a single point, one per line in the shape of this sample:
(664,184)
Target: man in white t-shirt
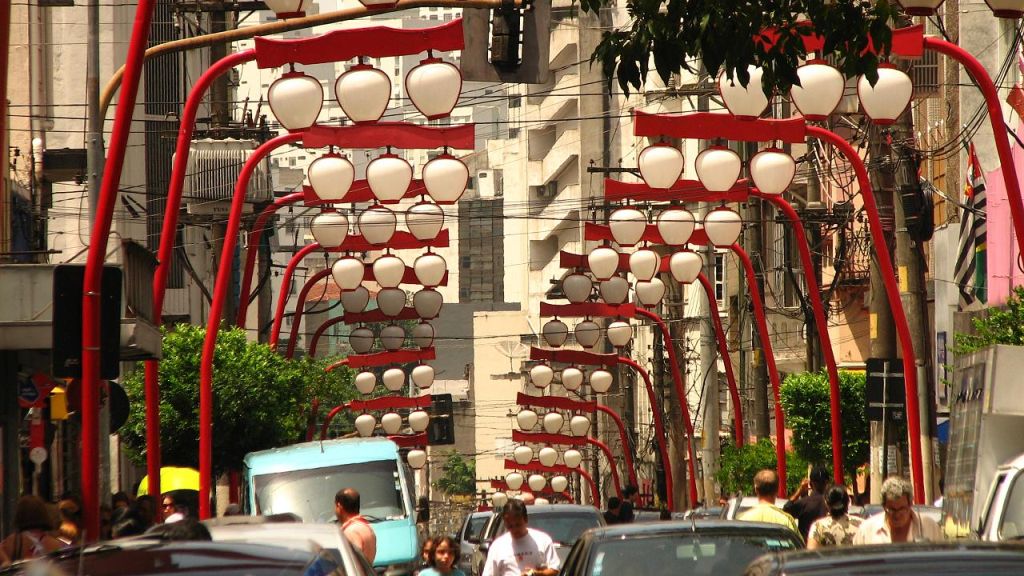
(521,551)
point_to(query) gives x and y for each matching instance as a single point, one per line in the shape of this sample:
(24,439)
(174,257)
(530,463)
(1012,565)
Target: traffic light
(506,37)
(507,44)
(441,430)
(918,210)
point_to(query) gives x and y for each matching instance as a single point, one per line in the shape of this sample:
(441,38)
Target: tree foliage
(459,476)
(1004,325)
(805,399)
(261,399)
(730,35)
(738,466)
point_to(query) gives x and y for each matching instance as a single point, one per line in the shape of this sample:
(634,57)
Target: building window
(513,133)
(720,279)
(515,101)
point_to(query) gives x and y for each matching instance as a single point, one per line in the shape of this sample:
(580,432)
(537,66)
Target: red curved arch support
(723,351)
(254,237)
(561,469)
(627,453)
(300,309)
(286,280)
(659,429)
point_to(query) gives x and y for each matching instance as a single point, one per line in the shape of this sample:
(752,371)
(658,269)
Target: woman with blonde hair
(33,524)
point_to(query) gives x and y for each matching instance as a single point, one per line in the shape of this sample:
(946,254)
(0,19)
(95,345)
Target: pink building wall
(1003,272)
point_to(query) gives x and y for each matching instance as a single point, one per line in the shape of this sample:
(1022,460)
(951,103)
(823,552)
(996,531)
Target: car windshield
(564,528)
(310,493)
(1012,525)
(672,554)
(475,526)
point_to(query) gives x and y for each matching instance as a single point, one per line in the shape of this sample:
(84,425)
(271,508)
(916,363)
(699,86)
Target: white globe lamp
(295,100)
(428,303)
(650,293)
(614,290)
(365,423)
(685,266)
(772,171)
(363,93)
(361,340)
(718,168)
(430,269)
(661,165)
(526,419)
(391,423)
(572,458)
(559,483)
(572,378)
(555,333)
(627,226)
(541,375)
(603,262)
(331,177)
(537,482)
(553,422)
(423,376)
(744,102)
(365,382)
(423,335)
(416,458)
(723,227)
(391,301)
(820,90)
(329,229)
(389,177)
(348,273)
(393,379)
(392,337)
(620,333)
(388,271)
(587,333)
(419,420)
(355,301)
(514,480)
(644,263)
(434,87)
(424,220)
(579,425)
(498,499)
(675,226)
(522,454)
(600,381)
(577,287)
(547,456)
(888,98)
(377,225)
(445,178)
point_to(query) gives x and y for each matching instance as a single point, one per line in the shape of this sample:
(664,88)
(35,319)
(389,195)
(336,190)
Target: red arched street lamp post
(595,496)
(253,238)
(566,440)
(659,428)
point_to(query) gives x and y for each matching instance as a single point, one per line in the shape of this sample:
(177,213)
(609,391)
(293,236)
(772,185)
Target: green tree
(1003,325)
(459,476)
(805,399)
(261,399)
(729,35)
(738,466)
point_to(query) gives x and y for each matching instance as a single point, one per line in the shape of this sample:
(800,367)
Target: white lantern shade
(572,458)
(355,300)
(392,337)
(537,482)
(365,382)
(377,225)
(559,483)
(577,287)
(419,420)
(363,93)
(361,340)
(685,266)
(423,335)
(723,226)
(348,273)
(660,165)
(388,177)
(603,262)
(365,423)
(920,7)
(514,480)
(388,270)
(526,419)
(428,303)
(650,293)
(541,502)
(541,375)
(746,102)
(391,423)
(498,499)
(423,376)
(820,90)
(1006,8)
(555,332)
(329,229)
(430,269)
(718,168)
(295,100)
(522,454)
(424,220)
(620,333)
(547,456)
(615,290)
(675,226)
(627,226)
(553,422)
(394,379)
(287,8)
(434,87)
(416,458)
(600,381)
(579,425)
(391,301)
(587,333)
(572,378)
(772,170)
(888,98)
(445,178)
(331,177)
(644,263)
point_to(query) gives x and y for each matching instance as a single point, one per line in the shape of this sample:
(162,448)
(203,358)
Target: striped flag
(971,265)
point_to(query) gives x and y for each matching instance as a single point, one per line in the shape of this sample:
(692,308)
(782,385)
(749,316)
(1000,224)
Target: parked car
(961,557)
(290,534)
(703,513)
(469,537)
(741,504)
(150,556)
(870,510)
(692,547)
(565,523)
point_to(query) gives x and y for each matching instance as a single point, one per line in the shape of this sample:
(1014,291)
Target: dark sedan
(700,547)
(962,557)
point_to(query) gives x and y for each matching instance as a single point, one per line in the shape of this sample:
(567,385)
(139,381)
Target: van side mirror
(485,545)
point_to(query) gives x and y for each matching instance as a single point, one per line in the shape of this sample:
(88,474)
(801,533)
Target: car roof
(931,553)
(287,534)
(709,526)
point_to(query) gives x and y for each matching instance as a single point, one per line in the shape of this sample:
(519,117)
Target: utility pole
(757,367)
(813,232)
(712,419)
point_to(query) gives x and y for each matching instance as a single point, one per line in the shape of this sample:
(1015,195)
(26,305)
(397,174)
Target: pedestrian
(173,510)
(120,500)
(356,528)
(70,529)
(838,528)
(898,522)
(766,485)
(427,554)
(521,551)
(446,556)
(613,514)
(31,538)
(807,503)
(629,497)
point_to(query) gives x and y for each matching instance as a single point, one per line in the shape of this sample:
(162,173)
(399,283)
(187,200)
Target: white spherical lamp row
(392,337)
(389,177)
(552,422)
(524,455)
(628,225)
(363,92)
(391,423)
(771,169)
(394,379)
(600,380)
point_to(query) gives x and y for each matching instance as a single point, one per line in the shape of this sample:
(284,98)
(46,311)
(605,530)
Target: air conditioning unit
(212,171)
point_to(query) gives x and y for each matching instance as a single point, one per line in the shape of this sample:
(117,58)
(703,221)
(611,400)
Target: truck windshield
(1012,525)
(310,493)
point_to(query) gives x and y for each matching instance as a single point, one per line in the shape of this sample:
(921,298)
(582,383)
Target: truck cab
(1004,508)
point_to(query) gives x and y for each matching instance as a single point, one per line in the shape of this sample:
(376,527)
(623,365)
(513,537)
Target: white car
(739,505)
